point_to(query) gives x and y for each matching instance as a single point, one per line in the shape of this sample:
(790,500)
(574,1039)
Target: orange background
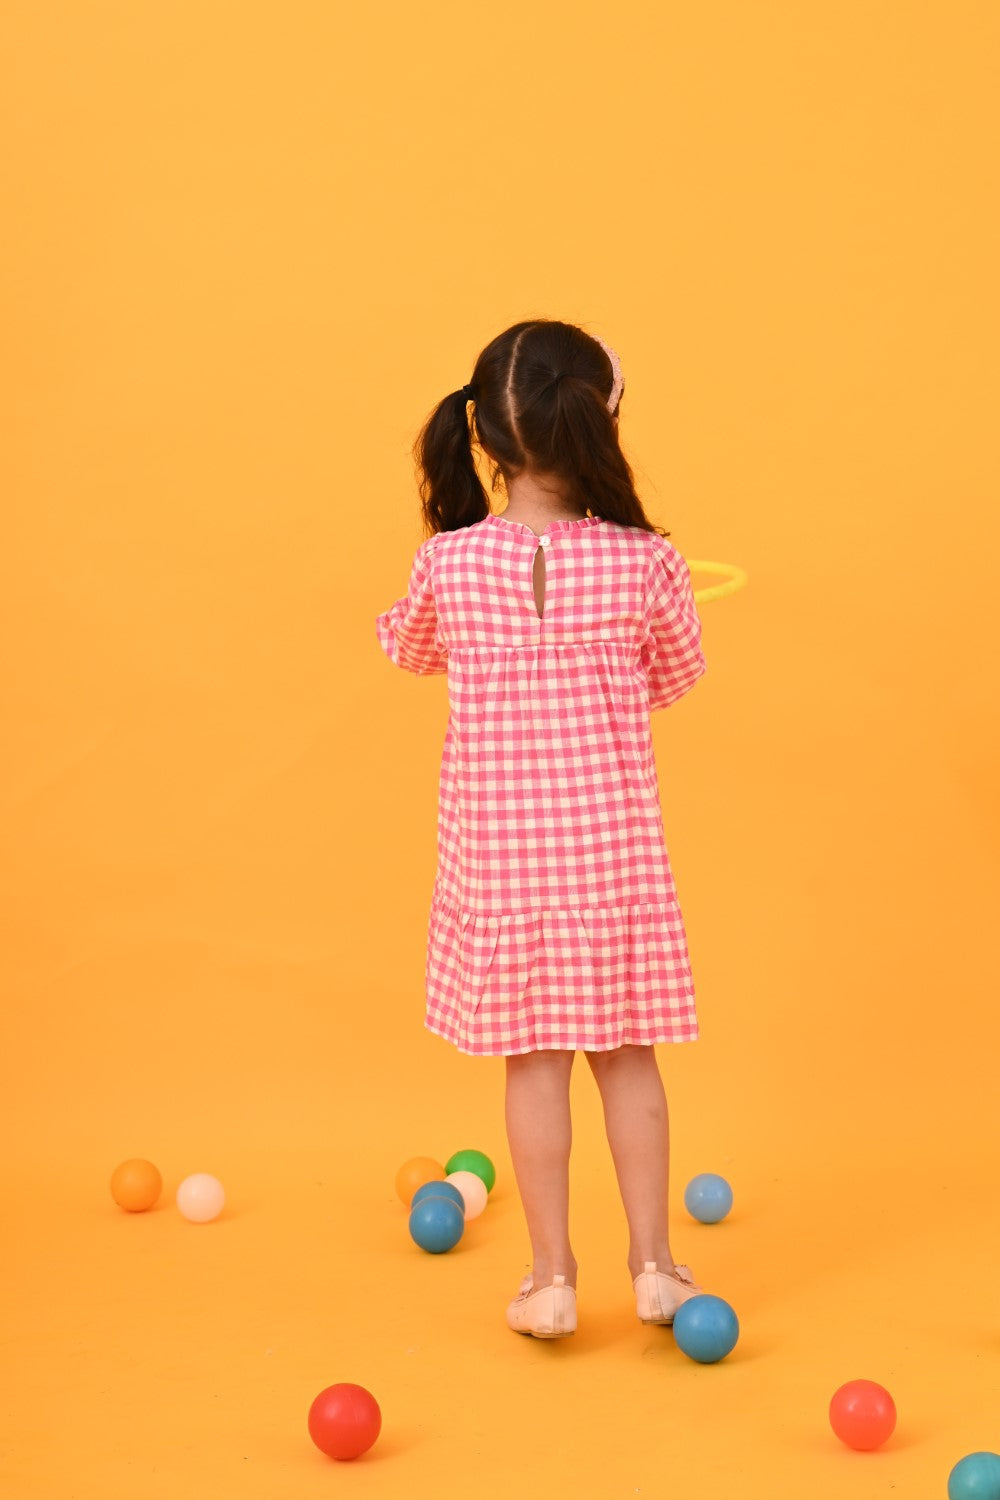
(247,248)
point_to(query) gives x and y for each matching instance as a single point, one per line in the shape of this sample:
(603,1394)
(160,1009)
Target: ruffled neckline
(522,526)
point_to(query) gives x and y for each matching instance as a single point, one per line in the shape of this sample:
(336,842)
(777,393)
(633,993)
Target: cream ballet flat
(549,1313)
(658,1294)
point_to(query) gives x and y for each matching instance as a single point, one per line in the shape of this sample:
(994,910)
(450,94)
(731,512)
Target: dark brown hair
(540,393)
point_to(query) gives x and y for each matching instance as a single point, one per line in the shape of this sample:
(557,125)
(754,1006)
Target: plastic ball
(708,1198)
(344,1420)
(414,1173)
(473,1161)
(136,1184)
(439,1190)
(862,1414)
(975,1477)
(706,1328)
(200,1197)
(436,1224)
(472,1189)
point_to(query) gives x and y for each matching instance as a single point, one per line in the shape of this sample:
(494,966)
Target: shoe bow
(682,1273)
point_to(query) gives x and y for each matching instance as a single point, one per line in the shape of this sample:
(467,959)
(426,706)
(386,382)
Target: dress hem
(658,1041)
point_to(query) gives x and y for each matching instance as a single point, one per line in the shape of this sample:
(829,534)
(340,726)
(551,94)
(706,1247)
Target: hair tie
(468,393)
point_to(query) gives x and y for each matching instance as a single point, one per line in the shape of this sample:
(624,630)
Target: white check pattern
(554,919)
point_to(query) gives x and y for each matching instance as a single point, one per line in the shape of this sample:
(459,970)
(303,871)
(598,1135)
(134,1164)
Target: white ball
(473,1191)
(200,1197)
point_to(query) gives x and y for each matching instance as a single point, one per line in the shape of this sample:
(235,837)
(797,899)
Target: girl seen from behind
(561,622)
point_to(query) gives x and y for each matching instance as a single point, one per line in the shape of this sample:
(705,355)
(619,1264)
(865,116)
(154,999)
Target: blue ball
(436,1224)
(438,1190)
(975,1477)
(706,1328)
(708,1198)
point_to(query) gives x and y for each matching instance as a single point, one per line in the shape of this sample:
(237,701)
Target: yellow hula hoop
(736,579)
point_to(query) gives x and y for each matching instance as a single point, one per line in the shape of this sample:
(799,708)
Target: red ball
(862,1414)
(344,1420)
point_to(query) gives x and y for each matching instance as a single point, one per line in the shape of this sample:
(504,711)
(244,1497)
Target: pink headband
(616,368)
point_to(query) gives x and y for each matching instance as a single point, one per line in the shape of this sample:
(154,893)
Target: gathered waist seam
(625,639)
(466,913)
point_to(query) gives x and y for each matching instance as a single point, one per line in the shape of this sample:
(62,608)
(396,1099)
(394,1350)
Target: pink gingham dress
(554,919)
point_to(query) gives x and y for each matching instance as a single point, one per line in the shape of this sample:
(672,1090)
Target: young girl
(555,928)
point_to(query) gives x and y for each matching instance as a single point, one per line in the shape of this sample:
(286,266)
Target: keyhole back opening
(538,578)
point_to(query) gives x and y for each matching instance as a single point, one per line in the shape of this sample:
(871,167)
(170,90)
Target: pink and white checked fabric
(554,919)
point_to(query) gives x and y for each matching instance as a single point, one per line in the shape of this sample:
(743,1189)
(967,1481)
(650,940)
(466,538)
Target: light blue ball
(708,1198)
(438,1190)
(975,1477)
(436,1224)
(706,1328)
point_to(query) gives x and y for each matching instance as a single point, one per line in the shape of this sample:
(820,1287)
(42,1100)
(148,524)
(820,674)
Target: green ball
(473,1161)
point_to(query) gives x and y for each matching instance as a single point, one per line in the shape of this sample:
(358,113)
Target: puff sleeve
(408,632)
(671,651)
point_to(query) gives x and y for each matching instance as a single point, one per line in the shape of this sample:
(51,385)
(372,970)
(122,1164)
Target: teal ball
(436,1224)
(975,1477)
(706,1328)
(708,1198)
(438,1190)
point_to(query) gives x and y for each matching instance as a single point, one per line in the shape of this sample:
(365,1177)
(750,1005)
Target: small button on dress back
(544,541)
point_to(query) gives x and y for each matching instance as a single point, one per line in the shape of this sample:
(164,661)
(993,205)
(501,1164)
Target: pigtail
(450,488)
(570,432)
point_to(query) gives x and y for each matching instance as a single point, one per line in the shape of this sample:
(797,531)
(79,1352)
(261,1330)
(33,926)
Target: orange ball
(136,1184)
(414,1173)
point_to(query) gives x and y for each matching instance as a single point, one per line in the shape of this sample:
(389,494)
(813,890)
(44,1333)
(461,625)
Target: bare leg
(540,1134)
(637,1123)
